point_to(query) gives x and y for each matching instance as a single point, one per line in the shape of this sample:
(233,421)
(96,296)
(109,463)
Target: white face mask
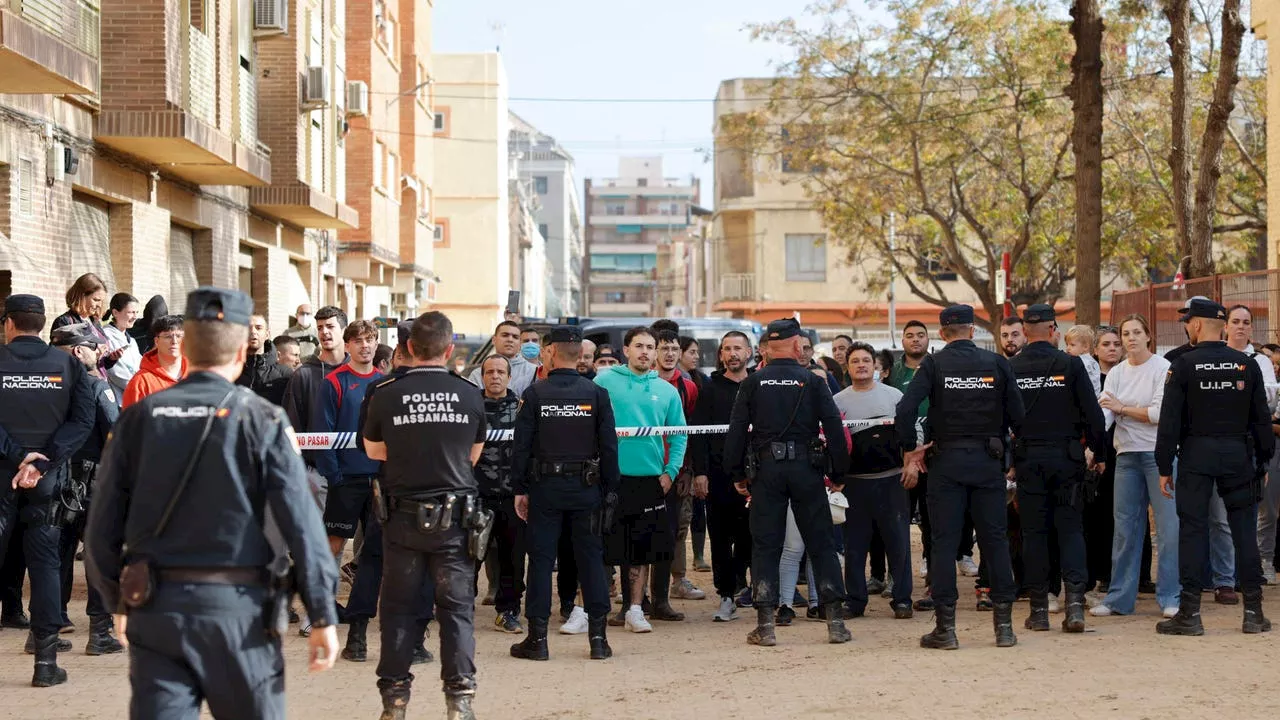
(304,321)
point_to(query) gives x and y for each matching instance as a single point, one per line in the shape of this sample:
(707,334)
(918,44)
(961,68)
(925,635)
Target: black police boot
(1254,620)
(30,646)
(395,701)
(534,645)
(763,635)
(596,635)
(459,707)
(47,672)
(943,636)
(1074,621)
(101,641)
(1038,620)
(837,633)
(1187,621)
(357,649)
(17,621)
(1002,619)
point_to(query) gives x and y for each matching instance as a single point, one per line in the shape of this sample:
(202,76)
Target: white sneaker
(1170,612)
(636,623)
(967,566)
(1268,573)
(728,611)
(576,624)
(685,590)
(1101,610)
(1055,605)
(1094,598)
(924,568)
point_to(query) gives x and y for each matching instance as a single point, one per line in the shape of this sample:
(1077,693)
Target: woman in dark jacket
(86,301)
(155,309)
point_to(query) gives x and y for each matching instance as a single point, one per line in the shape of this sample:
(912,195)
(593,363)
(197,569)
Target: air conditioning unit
(316,93)
(270,16)
(54,163)
(357,98)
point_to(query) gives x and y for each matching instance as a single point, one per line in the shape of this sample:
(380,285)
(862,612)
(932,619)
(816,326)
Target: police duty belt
(347,440)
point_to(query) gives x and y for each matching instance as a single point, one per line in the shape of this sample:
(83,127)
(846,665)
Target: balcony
(368,263)
(48,47)
(738,286)
(619,279)
(183,145)
(300,204)
(622,309)
(627,187)
(639,222)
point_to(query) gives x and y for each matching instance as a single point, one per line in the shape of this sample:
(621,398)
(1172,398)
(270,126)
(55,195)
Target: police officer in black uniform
(564,470)
(780,460)
(46,413)
(428,426)
(189,546)
(1049,464)
(79,341)
(1215,420)
(973,401)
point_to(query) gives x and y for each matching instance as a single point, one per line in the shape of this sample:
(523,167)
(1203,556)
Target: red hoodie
(150,379)
(688,392)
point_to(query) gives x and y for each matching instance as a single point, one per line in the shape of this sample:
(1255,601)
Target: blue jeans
(1222,554)
(789,567)
(1138,485)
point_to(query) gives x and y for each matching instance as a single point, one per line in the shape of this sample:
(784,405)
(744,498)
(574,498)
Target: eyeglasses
(171,336)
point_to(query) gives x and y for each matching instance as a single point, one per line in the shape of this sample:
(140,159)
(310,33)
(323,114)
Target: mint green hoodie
(645,401)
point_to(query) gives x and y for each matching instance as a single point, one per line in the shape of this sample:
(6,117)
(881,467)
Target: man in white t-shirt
(876,489)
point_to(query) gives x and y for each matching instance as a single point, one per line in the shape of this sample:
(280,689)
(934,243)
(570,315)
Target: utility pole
(893,310)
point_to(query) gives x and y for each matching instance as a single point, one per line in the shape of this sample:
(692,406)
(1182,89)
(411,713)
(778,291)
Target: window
(393,172)
(442,233)
(642,182)
(544,230)
(624,263)
(441,126)
(615,297)
(26,186)
(806,258)
(615,208)
(379,173)
(540,184)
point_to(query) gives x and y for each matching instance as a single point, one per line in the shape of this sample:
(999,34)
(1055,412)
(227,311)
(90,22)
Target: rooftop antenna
(499,30)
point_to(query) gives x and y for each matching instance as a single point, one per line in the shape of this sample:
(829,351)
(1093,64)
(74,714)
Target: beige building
(472,169)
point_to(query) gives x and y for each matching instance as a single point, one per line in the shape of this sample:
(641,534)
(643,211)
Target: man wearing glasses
(163,365)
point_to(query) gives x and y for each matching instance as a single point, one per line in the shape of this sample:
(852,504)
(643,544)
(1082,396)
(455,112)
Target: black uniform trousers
(730,531)
(362,604)
(13,571)
(877,504)
(197,643)
(508,548)
(555,500)
(1050,499)
(777,483)
(566,568)
(1192,493)
(40,545)
(68,543)
(967,480)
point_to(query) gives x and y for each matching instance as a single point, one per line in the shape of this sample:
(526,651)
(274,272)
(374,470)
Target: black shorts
(347,505)
(642,535)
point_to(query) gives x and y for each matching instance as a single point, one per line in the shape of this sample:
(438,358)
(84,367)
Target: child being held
(1080,343)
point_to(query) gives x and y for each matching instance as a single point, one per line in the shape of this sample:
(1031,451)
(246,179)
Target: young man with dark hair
(382,358)
(840,353)
(349,474)
(1013,336)
(669,577)
(262,372)
(304,386)
(507,342)
(288,353)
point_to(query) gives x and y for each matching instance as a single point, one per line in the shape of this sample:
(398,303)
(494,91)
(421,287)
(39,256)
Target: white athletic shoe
(636,623)
(1055,605)
(967,566)
(1101,610)
(577,623)
(1093,598)
(728,611)
(685,590)
(924,568)
(1170,612)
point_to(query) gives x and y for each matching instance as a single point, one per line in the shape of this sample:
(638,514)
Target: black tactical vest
(35,395)
(1044,380)
(967,397)
(1218,392)
(566,421)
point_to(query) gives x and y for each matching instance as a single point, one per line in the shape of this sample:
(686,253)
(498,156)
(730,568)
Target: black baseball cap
(1199,307)
(1039,313)
(219,305)
(1186,307)
(782,329)
(23,303)
(956,315)
(605,351)
(565,334)
(74,335)
(404,328)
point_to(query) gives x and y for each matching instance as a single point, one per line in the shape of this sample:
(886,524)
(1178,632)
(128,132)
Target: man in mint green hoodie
(641,536)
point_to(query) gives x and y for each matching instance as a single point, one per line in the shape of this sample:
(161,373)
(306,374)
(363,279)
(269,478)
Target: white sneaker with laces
(1094,598)
(967,566)
(685,590)
(1055,605)
(924,568)
(1170,612)
(636,623)
(1101,610)
(728,611)
(576,624)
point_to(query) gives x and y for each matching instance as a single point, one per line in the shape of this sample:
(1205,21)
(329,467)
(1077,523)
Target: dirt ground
(703,670)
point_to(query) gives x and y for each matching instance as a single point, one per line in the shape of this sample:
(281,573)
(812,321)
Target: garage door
(182,266)
(91,240)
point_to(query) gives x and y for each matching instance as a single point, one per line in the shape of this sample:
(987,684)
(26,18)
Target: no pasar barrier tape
(347,440)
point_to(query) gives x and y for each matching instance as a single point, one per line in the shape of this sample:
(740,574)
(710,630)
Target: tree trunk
(1086,143)
(1179,14)
(1215,128)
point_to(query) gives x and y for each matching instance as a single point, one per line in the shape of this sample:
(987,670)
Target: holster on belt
(137,584)
(381,511)
(603,517)
(72,499)
(591,475)
(283,584)
(750,466)
(479,525)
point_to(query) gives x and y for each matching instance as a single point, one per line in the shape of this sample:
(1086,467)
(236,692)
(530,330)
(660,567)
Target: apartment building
(530,271)
(682,269)
(627,219)
(547,170)
(471,204)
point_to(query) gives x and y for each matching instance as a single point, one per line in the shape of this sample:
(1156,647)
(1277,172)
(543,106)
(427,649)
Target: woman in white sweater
(122,313)
(1132,397)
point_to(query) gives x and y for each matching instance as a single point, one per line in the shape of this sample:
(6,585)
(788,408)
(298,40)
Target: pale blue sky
(595,49)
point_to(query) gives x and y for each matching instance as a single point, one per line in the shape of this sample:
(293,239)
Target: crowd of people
(676,492)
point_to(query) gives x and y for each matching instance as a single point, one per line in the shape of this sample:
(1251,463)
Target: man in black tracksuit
(726,509)
(261,374)
(493,475)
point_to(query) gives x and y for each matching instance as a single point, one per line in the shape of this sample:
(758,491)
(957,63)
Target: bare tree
(1086,143)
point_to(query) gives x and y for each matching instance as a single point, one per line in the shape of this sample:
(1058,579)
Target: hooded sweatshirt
(150,379)
(645,400)
(262,375)
(303,389)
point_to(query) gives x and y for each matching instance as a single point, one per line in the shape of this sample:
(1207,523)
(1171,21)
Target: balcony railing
(75,22)
(248,108)
(738,286)
(202,80)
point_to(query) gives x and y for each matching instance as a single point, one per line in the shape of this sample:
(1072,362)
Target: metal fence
(1159,304)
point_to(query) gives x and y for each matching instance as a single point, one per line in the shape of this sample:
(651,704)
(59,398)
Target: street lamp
(411,91)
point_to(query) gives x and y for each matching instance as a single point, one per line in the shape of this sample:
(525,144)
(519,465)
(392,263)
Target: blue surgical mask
(530,351)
